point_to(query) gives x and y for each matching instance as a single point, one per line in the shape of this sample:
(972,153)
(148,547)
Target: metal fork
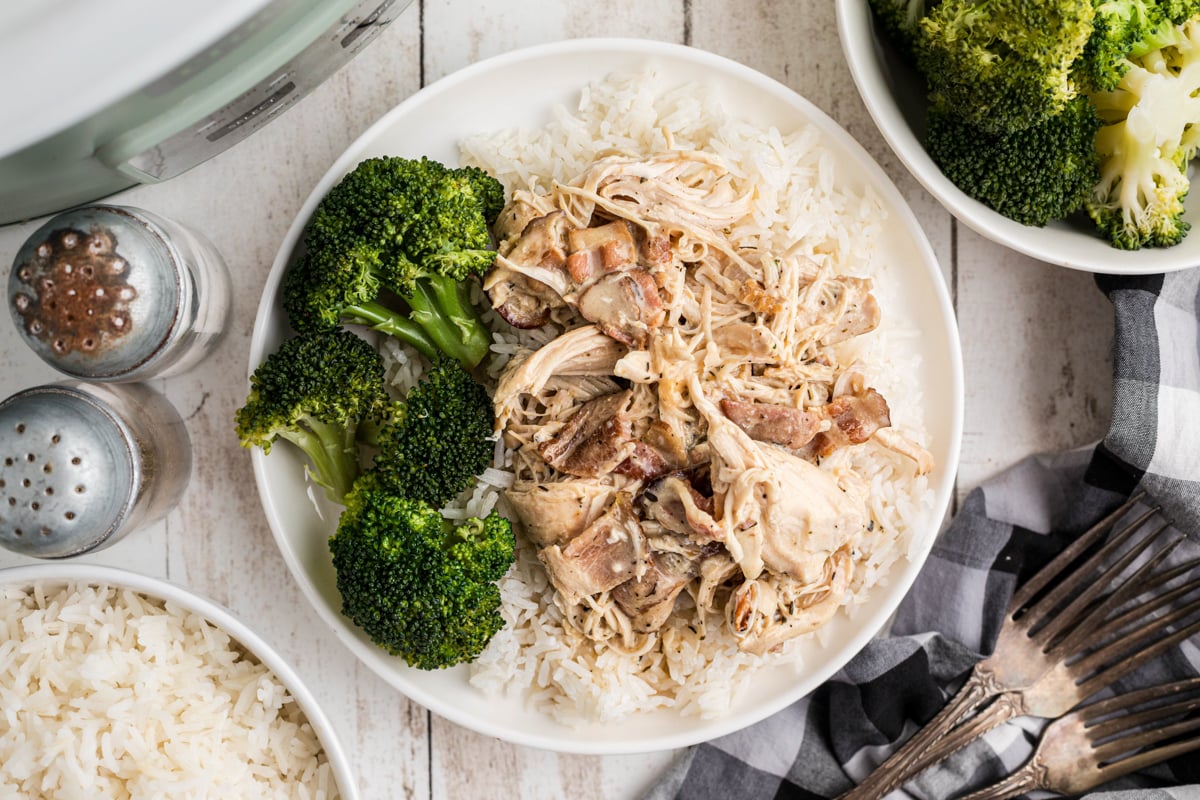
(1058,647)
(1105,740)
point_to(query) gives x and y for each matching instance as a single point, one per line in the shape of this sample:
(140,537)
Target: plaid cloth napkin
(1007,529)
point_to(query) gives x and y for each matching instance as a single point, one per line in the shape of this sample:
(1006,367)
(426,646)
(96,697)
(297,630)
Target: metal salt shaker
(112,293)
(81,465)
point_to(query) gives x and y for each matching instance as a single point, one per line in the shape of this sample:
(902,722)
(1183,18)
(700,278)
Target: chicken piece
(580,351)
(600,250)
(675,504)
(649,599)
(765,613)
(625,305)
(511,222)
(749,342)
(860,312)
(778,424)
(554,513)
(543,242)
(892,439)
(715,571)
(609,552)
(654,248)
(594,440)
(777,511)
(520,300)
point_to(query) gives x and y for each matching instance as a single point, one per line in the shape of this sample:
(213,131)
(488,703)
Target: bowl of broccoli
(1064,130)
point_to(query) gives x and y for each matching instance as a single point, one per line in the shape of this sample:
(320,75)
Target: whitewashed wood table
(1035,339)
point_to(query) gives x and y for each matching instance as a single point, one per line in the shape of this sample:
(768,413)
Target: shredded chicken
(686,434)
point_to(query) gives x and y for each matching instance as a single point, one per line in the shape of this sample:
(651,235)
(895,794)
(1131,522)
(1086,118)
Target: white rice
(800,208)
(105,693)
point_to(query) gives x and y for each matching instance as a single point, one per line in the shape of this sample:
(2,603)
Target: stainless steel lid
(97,292)
(68,472)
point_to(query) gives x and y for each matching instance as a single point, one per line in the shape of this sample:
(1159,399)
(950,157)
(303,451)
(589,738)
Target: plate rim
(881,182)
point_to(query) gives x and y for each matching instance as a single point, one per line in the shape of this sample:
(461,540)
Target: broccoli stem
(387,321)
(442,307)
(333,453)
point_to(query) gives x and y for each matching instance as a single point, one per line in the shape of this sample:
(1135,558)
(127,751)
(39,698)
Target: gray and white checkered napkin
(1005,531)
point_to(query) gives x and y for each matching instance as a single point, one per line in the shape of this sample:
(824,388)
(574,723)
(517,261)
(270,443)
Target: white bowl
(59,574)
(895,96)
(479,98)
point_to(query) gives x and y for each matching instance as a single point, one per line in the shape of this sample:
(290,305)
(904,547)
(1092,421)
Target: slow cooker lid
(63,61)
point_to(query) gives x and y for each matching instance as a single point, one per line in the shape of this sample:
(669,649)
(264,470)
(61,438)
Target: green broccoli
(899,20)
(1179,11)
(1004,65)
(1122,28)
(1150,134)
(415,228)
(438,439)
(419,587)
(1032,176)
(315,391)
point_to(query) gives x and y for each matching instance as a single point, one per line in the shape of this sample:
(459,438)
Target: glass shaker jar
(82,464)
(112,293)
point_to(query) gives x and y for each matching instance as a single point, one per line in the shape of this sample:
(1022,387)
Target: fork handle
(1023,781)
(906,761)
(1005,707)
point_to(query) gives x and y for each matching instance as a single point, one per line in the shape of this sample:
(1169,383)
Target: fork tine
(1124,618)
(1135,741)
(1096,626)
(1182,696)
(1048,573)
(1082,605)
(1109,753)
(1095,713)
(1045,607)
(1120,648)
(1147,758)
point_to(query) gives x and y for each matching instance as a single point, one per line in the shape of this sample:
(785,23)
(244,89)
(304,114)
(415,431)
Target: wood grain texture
(1035,341)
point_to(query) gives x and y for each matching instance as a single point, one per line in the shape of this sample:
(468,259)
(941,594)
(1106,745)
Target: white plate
(431,123)
(219,616)
(895,96)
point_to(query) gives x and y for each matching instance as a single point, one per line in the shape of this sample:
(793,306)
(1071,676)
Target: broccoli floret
(1122,28)
(1032,176)
(415,228)
(439,438)
(1003,64)
(1151,124)
(1179,11)
(420,587)
(898,19)
(315,391)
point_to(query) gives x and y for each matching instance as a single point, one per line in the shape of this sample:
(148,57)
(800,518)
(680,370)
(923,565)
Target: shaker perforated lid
(97,292)
(68,472)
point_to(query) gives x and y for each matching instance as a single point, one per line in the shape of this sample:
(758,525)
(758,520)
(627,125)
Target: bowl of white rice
(543,114)
(118,685)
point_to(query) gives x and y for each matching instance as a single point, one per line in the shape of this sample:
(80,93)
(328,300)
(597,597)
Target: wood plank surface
(1035,342)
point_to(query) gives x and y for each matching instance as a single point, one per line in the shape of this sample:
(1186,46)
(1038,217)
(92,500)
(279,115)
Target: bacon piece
(768,422)
(608,553)
(855,419)
(594,440)
(600,250)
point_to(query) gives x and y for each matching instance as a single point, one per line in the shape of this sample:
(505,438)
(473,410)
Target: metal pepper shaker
(113,293)
(81,465)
